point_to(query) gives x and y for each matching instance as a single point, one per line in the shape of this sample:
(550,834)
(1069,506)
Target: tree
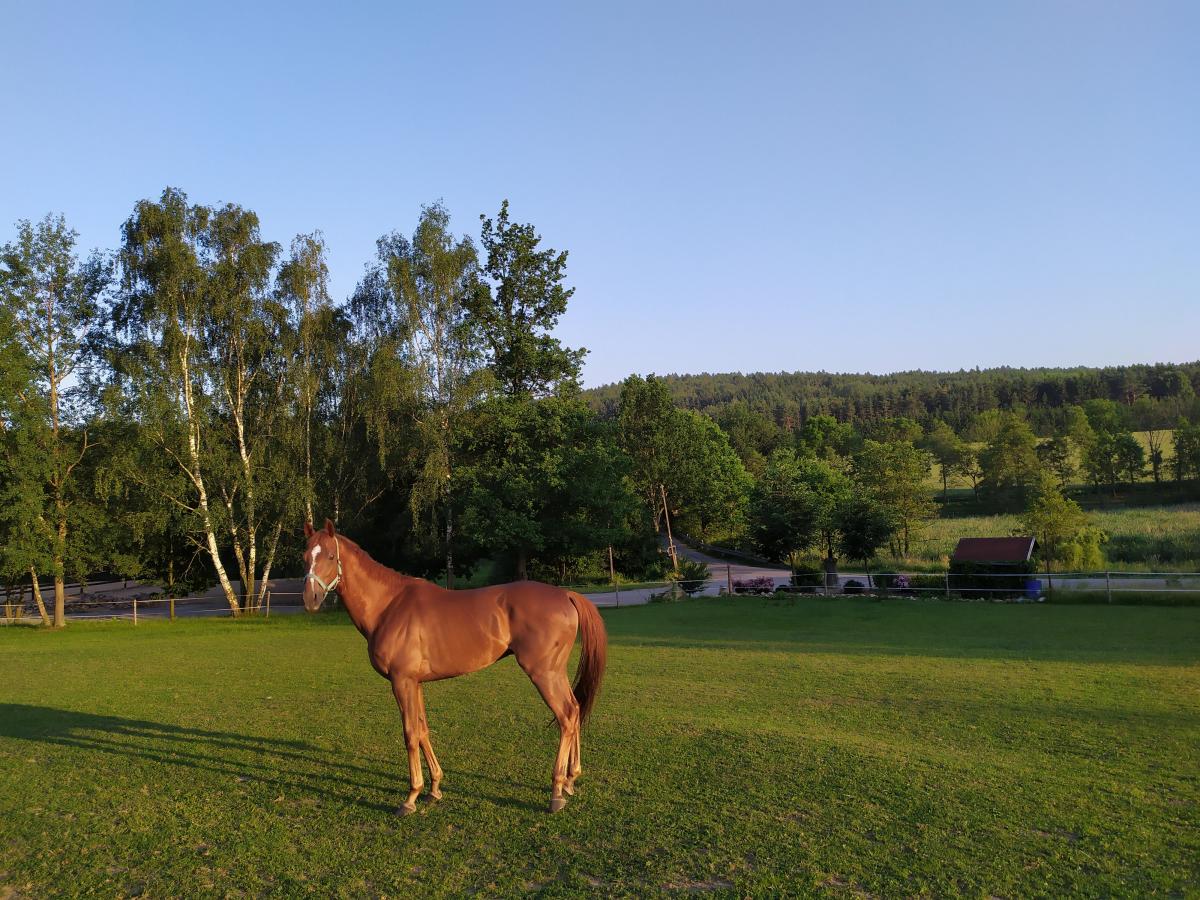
(420,293)
(201,364)
(1187,451)
(708,486)
(315,330)
(828,489)
(1056,456)
(826,438)
(1113,451)
(751,434)
(783,509)
(863,527)
(1064,535)
(1009,462)
(893,430)
(52,300)
(1150,417)
(893,476)
(950,452)
(517,305)
(542,479)
(682,463)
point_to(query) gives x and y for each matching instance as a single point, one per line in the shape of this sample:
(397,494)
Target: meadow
(1140,538)
(741,746)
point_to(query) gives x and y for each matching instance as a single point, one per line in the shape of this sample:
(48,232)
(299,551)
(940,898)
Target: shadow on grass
(908,627)
(295,766)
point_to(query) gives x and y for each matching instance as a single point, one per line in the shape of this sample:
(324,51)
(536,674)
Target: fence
(1149,588)
(1164,588)
(170,608)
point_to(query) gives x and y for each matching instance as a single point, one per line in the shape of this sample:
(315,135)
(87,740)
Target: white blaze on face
(316,554)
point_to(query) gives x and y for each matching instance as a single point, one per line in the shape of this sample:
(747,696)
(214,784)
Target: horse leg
(408,696)
(435,770)
(574,769)
(556,691)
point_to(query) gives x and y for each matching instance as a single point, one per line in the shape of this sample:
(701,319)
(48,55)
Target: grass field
(1148,538)
(831,747)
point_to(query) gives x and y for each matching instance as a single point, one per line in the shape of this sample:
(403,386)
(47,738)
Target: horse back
(432,633)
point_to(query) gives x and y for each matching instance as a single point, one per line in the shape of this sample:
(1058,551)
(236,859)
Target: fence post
(618,598)
(172,609)
(1108,585)
(947,585)
(268,604)
(135,609)
(729,579)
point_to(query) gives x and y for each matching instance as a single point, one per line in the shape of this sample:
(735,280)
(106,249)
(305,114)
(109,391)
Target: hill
(791,398)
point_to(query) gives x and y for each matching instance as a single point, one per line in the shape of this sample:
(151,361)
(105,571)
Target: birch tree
(316,329)
(204,359)
(417,296)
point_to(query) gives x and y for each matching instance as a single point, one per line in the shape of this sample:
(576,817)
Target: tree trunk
(449,547)
(60,586)
(522,564)
(37,597)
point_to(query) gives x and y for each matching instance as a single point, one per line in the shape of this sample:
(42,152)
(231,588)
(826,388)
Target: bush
(853,586)
(691,575)
(762,585)
(807,576)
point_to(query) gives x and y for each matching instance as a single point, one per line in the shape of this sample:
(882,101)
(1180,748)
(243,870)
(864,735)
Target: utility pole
(670,540)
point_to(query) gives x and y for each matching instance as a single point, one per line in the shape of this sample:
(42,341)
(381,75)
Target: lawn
(834,747)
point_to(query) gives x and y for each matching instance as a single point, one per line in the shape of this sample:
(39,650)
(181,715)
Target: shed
(992,567)
(997,551)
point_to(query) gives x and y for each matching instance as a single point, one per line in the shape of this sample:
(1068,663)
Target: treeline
(1041,395)
(174,410)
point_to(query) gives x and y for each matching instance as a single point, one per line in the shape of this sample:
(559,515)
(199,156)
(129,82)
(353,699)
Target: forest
(173,410)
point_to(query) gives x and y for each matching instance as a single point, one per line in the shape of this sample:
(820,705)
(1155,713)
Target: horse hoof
(557,803)
(433,796)
(406,810)
(569,789)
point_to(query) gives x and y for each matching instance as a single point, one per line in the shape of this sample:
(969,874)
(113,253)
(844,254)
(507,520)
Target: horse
(417,631)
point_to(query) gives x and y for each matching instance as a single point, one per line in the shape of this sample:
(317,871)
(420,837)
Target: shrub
(853,586)
(763,584)
(691,575)
(807,576)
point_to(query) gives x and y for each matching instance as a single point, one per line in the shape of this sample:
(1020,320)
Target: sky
(841,186)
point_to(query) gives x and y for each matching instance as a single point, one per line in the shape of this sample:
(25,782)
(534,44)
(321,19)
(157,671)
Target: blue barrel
(1033,588)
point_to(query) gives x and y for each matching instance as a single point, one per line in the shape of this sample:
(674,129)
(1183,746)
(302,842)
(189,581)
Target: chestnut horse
(417,631)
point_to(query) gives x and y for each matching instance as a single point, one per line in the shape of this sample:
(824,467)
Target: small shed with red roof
(997,551)
(993,568)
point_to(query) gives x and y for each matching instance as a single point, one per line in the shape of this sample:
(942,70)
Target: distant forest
(790,399)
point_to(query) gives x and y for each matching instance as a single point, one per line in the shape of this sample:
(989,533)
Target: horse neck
(361,588)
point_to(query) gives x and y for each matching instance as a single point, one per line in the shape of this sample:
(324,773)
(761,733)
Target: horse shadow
(295,766)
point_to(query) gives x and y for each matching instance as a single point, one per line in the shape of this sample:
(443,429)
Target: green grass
(754,747)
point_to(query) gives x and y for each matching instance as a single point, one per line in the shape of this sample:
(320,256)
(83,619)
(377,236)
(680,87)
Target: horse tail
(592,657)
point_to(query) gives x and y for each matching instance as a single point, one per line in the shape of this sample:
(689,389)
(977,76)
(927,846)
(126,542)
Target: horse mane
(382,575)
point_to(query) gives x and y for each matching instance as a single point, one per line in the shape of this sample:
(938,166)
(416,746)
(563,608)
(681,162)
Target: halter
(337,549)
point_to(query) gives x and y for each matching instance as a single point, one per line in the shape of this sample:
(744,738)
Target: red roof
(995,550)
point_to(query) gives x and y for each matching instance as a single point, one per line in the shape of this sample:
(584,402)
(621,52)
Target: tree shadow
(906,627)
(288,765)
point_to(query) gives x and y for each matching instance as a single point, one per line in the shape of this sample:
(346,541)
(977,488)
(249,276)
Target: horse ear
(329,527)
(308,529)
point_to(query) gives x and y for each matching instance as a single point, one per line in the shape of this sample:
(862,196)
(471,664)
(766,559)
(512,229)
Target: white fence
(1165,588)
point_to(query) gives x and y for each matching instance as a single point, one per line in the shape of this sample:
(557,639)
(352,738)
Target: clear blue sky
(846,186)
